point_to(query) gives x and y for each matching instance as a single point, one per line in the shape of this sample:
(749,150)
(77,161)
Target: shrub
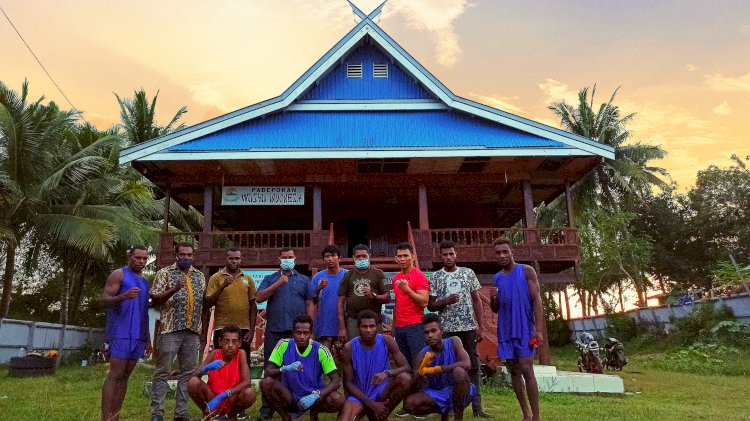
(621,326)
(698,325)
(558,332)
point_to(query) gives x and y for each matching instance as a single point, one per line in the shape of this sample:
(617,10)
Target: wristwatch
(388,373)
(317,392)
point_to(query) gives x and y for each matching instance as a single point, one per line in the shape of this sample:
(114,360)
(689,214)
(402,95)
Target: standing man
(326,286)
(360,289)
(293,382)
(233,294)
(454,292)
(373,388)
(125,296)
(289,294)
(518,305)
(179,289)
(410,287)
(444,364)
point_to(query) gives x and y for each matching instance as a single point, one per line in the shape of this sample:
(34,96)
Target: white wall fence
(597,326)
(18,334)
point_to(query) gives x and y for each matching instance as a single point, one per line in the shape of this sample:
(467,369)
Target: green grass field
(74,394)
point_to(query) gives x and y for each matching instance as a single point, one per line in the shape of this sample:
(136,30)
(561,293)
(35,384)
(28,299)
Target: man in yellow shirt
(232,292)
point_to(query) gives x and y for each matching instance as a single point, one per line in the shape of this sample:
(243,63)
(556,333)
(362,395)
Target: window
(369,166)
(474,164)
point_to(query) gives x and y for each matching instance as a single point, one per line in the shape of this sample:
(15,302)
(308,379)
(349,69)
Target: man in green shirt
(361,289)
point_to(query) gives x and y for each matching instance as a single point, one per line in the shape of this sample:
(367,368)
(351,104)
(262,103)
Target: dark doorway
(357,233)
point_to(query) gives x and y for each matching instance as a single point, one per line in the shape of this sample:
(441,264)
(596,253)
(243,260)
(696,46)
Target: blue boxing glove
(216,401)
(291,367)
(215,365)
(307,401)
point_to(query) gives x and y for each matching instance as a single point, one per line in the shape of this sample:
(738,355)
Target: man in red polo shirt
(411,289)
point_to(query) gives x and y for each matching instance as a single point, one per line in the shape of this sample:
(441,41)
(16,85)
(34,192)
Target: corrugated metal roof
(366,130)
(398,84)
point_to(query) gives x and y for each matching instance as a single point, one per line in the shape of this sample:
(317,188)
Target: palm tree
(618,181)
(613,186)
(138,118)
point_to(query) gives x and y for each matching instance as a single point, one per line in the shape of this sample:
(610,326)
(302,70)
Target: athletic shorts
(126,349)
(374,395)
(444,398)
(515,349)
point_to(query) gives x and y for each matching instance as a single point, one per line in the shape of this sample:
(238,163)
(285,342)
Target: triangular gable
(337,85)
(329,62)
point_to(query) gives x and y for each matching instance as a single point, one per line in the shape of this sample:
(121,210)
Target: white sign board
(263,195)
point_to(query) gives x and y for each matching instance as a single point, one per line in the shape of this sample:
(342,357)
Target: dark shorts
(126,349)
(444,398)
(515,349)
(374,395)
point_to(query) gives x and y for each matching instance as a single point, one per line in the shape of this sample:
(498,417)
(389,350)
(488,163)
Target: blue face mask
(184,264)
(362,264)
(287,264)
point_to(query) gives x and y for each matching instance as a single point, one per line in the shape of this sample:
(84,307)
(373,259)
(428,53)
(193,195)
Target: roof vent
(380,70)
(354,71)
(474,164)
(369,166)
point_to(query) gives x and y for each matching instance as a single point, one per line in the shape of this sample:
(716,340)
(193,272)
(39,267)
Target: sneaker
(243,416)
(419,417)
(401,413)
(482,414)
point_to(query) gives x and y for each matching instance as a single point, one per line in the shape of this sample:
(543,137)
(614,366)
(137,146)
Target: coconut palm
(619,181)
(138,118)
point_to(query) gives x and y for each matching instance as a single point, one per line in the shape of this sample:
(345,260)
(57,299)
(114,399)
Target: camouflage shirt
(457,317)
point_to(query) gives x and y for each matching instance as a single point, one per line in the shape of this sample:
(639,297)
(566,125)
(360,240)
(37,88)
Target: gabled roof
(292,99)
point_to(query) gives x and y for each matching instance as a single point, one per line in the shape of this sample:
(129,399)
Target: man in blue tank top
(293,381)
(445,365)
(372,386)
(518,304)
(125,296)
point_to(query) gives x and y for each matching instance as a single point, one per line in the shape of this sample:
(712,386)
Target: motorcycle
(614,355)
(588,355)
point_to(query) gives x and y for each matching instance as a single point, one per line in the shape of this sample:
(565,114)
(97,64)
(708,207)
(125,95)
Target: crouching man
(228,390)
(373,387)
(293,382)
(445,364)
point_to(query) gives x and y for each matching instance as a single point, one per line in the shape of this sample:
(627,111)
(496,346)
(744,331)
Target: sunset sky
(683,66)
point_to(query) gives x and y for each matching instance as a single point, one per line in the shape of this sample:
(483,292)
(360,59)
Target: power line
(40,63)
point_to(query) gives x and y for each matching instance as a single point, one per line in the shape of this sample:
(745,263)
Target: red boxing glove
(534,343)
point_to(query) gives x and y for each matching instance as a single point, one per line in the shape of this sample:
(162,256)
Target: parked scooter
(614,355)
(588,354)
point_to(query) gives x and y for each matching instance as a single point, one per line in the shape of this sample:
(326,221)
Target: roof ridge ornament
(372,16)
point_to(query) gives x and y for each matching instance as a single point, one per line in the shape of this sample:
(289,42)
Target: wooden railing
(247,239)
(517,236)
(260,248)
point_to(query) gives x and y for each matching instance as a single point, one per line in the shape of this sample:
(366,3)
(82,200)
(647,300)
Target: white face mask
(287,264)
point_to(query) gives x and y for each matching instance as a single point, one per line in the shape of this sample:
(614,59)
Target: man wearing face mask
(361,289)
(289,294)
(178,290)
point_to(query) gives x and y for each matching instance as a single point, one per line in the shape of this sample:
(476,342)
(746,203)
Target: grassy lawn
(74,394)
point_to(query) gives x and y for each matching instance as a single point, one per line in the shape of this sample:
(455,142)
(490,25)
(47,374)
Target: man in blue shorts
(518,304)
(126,297)
(372,386)
(293,381)
(445,364)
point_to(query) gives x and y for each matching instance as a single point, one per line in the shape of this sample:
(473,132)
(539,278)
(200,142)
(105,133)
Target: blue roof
(368,129)
(398,84)
(322,84)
